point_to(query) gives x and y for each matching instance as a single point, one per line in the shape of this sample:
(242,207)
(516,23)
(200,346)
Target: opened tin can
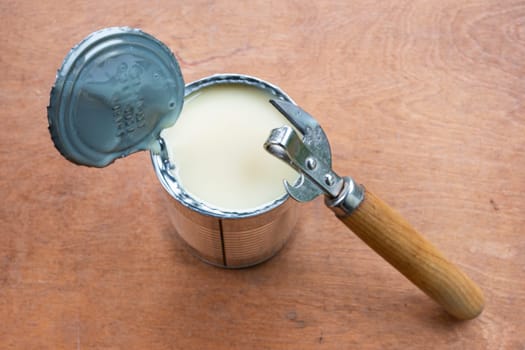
(226,238)
(114,94)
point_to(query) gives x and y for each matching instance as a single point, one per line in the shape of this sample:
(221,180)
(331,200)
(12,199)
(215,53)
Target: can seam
(221,232)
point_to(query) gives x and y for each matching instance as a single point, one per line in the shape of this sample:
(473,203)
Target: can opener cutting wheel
(378,225)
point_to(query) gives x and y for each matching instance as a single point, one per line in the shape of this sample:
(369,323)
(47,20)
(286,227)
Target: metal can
(225,238)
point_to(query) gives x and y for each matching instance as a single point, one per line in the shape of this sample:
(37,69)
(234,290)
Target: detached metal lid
(115,92)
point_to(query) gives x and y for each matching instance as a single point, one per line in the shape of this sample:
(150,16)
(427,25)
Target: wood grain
(392,237)
(424,101)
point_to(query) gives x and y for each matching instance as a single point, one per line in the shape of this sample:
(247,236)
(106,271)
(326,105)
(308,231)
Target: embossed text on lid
(115,92)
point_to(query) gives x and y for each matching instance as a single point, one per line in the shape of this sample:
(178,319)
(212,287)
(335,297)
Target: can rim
(169,182)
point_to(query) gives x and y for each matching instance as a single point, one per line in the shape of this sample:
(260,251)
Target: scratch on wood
(211,58)
(292,316)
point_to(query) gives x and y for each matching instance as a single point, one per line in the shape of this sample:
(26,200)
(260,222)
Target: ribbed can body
(222,238)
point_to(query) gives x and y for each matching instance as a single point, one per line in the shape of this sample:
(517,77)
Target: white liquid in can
(217,147)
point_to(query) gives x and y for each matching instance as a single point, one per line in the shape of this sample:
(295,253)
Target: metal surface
(348,200)
(311,157)
(115,92)
(285,144)
(231,239)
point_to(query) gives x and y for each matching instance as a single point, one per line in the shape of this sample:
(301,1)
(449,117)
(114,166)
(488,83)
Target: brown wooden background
(424,102)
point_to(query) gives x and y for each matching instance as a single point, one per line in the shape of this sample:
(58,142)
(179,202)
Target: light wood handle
(386,232)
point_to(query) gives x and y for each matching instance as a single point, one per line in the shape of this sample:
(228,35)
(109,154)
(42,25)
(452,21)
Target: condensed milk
(216,147)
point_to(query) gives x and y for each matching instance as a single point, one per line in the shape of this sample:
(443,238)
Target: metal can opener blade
(312,158)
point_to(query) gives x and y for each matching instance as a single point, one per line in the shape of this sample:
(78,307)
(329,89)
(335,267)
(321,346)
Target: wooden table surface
(423,101)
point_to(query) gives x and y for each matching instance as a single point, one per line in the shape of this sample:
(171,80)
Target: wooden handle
(386,232)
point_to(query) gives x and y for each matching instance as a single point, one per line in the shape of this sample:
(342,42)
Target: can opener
(371,219)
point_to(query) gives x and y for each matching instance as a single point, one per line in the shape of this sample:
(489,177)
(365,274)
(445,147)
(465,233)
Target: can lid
(115,92)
